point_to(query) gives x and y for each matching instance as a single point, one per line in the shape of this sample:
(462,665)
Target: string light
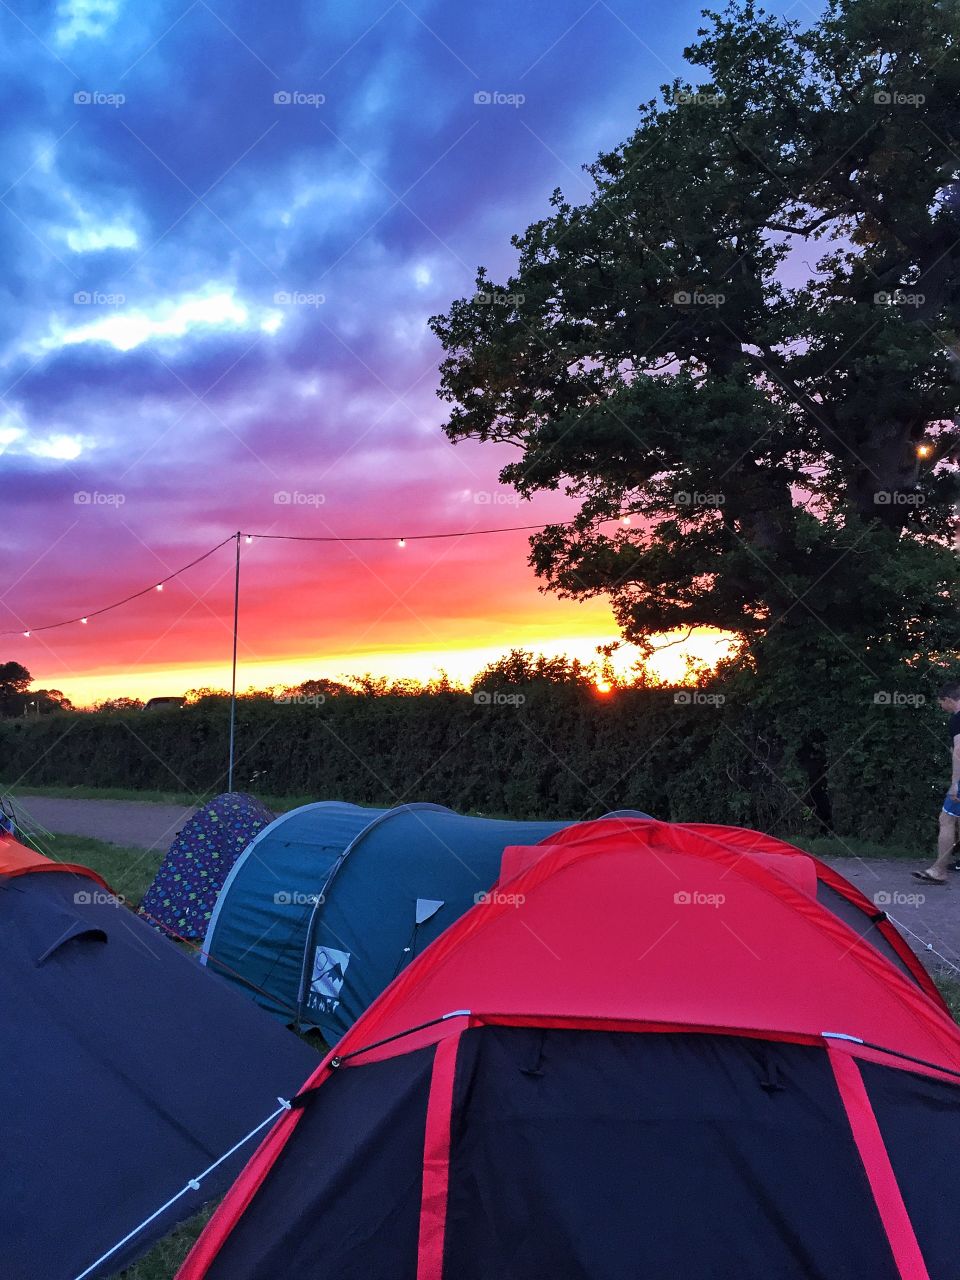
(134,595)
(924,450)
(346,539)
(625,521)
(289,537)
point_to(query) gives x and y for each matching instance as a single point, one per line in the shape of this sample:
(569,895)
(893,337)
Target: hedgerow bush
(838,760)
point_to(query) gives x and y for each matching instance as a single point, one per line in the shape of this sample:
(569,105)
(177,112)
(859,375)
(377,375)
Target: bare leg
(946,842)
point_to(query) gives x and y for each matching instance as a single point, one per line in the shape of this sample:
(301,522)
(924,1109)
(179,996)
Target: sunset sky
(217,289)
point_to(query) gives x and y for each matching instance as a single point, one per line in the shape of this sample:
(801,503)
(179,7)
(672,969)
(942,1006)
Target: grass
(163,1260)
(279,804)
(820,846)
(950,990)
(834,847)
(100,793)
(129,872)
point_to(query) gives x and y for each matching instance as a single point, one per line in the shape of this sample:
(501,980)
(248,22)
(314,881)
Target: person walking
(950,813)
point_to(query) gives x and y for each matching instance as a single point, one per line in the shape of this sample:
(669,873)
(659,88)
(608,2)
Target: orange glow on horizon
(334,611)
(460,664)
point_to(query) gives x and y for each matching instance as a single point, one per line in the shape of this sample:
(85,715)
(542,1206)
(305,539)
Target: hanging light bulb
(159,586)
(924,450)
(84,621)
(625,521)
(248,539)
(402,543)
(27,634)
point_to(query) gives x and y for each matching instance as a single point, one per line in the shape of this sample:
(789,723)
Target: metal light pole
(233,683)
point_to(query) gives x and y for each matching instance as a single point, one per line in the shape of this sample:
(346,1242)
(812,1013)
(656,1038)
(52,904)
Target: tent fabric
(18,859)
(127,1070)
(804,870)
(689,1114)
(646,1054)
(185,888)
(835,892)
(321,911)
(257,932)
(896,1098)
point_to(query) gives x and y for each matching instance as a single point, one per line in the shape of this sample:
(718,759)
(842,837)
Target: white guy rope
(192,1185)
(927,946)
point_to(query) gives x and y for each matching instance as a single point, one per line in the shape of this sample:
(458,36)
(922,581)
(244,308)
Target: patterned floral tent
(182,896)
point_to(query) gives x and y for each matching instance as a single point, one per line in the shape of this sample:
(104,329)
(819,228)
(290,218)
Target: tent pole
(233,682)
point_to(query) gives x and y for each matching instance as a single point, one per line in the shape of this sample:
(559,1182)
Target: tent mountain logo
(329,967)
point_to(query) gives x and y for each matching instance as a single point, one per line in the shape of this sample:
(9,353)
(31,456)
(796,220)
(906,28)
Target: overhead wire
(134,595)
(157,584)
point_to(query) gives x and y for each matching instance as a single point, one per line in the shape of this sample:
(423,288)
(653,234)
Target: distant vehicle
(164,704)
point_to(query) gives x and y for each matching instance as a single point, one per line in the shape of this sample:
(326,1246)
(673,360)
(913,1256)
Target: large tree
(746,338)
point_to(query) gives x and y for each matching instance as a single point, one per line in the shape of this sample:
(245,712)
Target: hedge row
(859,769)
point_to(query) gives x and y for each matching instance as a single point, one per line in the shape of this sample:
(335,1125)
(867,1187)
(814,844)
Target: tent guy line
(927,946)
(192,1184)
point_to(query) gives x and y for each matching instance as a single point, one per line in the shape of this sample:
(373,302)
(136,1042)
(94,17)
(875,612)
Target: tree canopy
(746,338)
(522,667)
(17,698)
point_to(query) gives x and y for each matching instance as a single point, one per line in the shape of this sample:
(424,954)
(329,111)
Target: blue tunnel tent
(328,903)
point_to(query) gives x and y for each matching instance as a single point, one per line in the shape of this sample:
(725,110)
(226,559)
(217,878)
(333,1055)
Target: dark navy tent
(328,904)
(127,1071)
(181,899)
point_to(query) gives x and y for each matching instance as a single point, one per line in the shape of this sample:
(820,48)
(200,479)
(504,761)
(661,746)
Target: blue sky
(224,229)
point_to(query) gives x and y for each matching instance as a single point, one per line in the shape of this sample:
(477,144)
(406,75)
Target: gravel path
(134,823)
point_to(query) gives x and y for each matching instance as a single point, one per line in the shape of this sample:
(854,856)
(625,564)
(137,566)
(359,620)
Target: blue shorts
(951,804)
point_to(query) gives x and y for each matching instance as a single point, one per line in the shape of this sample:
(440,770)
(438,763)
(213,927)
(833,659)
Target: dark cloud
(383,199)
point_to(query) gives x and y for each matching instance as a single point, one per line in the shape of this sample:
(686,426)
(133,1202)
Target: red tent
(654,1051)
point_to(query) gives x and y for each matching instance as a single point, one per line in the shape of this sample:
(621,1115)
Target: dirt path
(134,823)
